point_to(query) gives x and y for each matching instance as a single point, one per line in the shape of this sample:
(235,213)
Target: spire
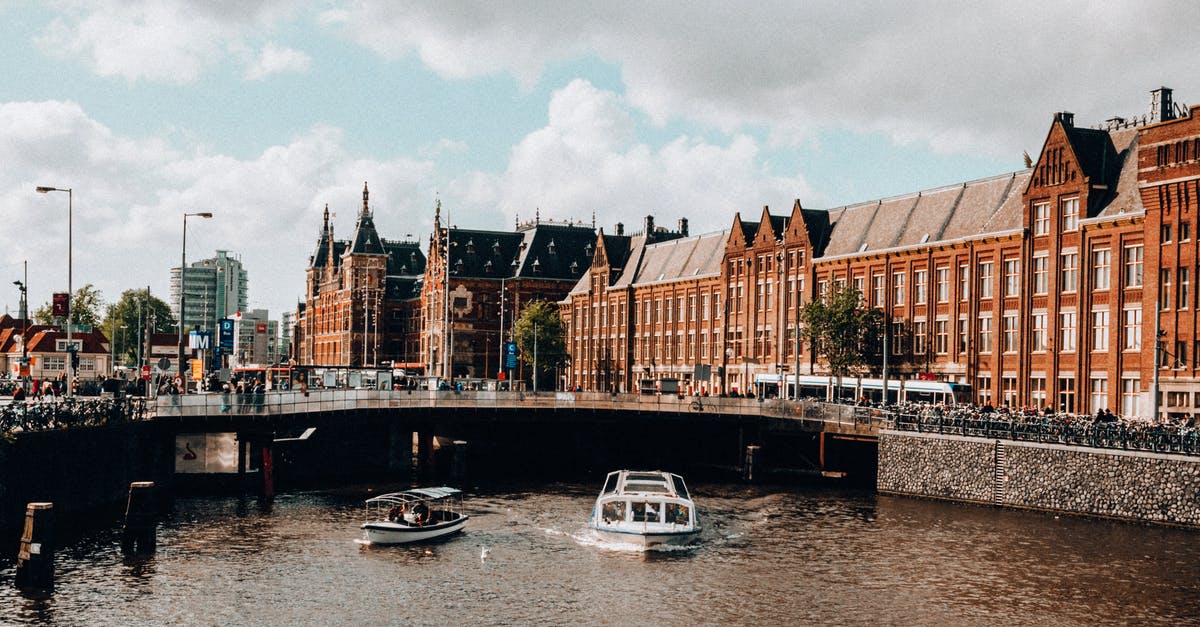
(537,215)
(325,229)
(437,209)
(365,211)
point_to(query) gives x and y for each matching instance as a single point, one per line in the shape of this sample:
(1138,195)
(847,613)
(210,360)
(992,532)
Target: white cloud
(959,77)
(275,59)
(130,194)
(586,160)
(157,40)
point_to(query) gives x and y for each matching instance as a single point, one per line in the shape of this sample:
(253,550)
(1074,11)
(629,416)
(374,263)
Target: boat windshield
(613,511)
(611,484)
(680,489)
(646,512)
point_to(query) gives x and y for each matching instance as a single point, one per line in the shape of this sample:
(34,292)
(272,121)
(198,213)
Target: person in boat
(421,512)
(396,513)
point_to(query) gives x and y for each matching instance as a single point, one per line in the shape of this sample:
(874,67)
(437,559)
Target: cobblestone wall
(1135,485)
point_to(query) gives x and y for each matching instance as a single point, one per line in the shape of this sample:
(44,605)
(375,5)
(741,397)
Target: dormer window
(551,247)
(404,269)
(471,246)
(458,266)
(514,263)
(487,267)
(537,265)
(574,267)
(587,250)
(496,247)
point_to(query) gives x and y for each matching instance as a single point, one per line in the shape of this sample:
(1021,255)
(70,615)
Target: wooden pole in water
(748,467)
(459,462)
(35,560)
(139,536)
(268,469)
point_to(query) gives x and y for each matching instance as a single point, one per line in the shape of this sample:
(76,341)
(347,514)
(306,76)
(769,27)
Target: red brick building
(361,299)
(1028,286)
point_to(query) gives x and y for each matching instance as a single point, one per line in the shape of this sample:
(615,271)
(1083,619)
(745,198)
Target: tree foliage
(86,304)
(551,341)
(841,330)
(135,310)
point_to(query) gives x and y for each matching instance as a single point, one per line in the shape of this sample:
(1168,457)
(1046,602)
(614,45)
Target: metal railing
(82,411)
(1058,429)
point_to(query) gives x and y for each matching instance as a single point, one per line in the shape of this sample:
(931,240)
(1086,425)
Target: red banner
(60,304)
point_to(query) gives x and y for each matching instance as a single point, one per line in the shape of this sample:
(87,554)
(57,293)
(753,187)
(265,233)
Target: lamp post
(24,322)
(183,290)
(70,344)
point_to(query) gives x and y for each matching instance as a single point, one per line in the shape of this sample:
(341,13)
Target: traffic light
(74,359)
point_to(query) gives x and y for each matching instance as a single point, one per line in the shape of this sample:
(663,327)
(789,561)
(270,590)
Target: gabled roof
(555,251)
(366,238)
(43,340)
(966,209)
(676,259)
(404,258)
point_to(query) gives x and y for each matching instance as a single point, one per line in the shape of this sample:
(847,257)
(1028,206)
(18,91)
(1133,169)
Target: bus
(852,389)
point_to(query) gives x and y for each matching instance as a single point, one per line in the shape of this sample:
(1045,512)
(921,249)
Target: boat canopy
(414,495)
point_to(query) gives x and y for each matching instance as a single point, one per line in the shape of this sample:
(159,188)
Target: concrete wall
(1133,485)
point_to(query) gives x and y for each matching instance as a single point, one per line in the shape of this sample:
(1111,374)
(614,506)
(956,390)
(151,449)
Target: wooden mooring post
(35,560)
(748,464)
(139,536)
(458,464)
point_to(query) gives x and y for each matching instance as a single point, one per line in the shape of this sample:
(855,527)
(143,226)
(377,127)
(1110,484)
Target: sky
(263,112)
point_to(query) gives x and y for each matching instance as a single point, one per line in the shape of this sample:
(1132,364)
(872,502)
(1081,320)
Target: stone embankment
(1131,485)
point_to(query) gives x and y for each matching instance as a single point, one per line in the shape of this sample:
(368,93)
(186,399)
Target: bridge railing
(323,401)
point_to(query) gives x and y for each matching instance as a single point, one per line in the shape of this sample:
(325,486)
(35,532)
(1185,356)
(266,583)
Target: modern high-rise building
(216,288)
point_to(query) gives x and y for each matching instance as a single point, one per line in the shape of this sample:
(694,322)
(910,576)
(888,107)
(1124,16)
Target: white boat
(645,507)
(414,515)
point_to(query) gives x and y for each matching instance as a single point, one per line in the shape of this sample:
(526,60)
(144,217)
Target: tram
(853,389)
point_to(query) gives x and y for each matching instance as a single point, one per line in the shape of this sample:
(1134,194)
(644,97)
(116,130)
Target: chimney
(683,229)
(620,229)
(1066,117)
(649,224)
(1161,107)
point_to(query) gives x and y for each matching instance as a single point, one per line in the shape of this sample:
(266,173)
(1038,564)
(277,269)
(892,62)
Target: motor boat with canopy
(414,515)
(646,508)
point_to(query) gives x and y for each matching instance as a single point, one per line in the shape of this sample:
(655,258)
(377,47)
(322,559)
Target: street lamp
(70,344)
(24,324)
(182,291)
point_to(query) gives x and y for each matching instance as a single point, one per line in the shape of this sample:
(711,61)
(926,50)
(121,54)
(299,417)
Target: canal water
(768,555)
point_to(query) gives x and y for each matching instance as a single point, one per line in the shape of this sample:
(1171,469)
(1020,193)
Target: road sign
(146,372)
(164,364)
(510,354)
(197,369)
(225,333)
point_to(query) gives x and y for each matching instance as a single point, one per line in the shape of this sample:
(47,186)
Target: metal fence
(64,413)
(1059,429)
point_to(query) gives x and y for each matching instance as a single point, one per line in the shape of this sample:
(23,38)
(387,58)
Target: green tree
(841,330)
(86,304)
(131,308)
(551,343)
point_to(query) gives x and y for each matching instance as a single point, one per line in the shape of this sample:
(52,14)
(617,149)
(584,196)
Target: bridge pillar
(400,449)
(35,559)
(241,462)
(425,457)
(138,535)
(458,467)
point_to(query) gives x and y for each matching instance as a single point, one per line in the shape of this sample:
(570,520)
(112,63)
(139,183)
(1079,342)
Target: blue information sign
(510,355)
(225,333)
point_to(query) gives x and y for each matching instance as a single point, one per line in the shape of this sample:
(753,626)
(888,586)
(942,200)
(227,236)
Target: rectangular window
(877,290)
(1039,332)
(897,289)
(1012,277)
(1133,266)
(1100,330)
(898,339)
(1099,392)
(920,284)
(1037,392)
(1067,331)
(1133,329)
(1185,288)
(941,336)
(1179,359)
(983,390)
(1041,266)
(1041,218)
(964,282)
(1070,214)
(943,285)
(1069,272)
(1066,394)
(1185,232)
(985,334)
(985,280)
(1009,390)
(1131,392)
(919,331)
(1011,334)
(1101,261)
(964,331)
(1164,288)
(1166,233)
